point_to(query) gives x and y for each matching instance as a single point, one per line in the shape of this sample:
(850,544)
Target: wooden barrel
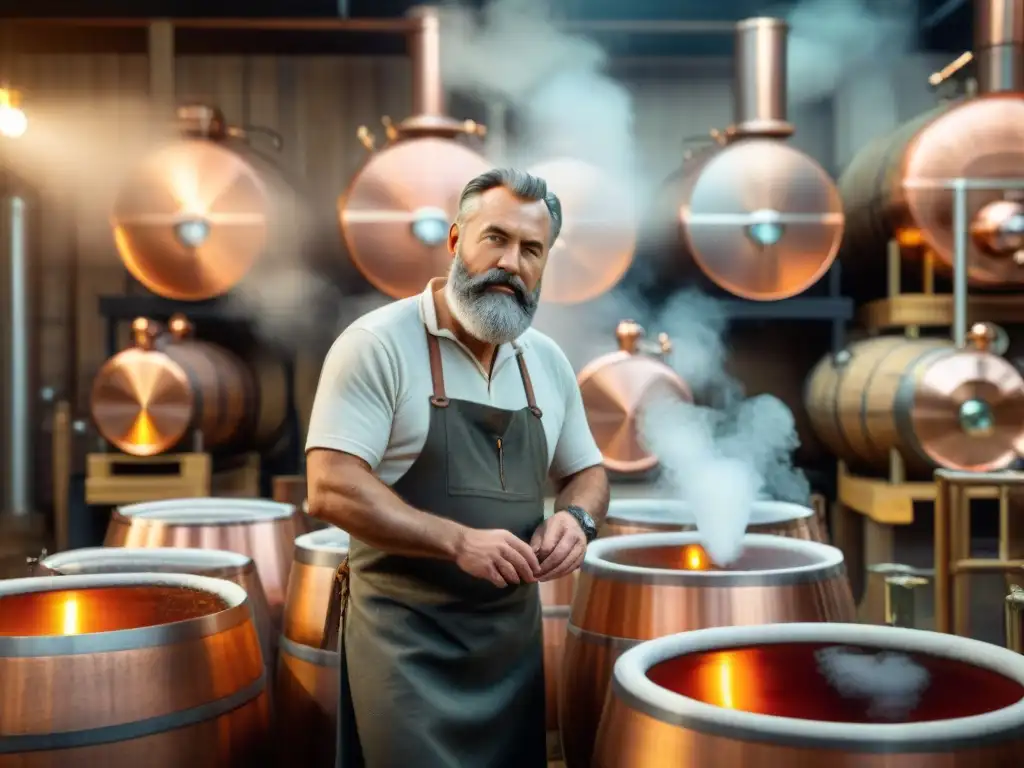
(814,696)
(933,404)
(263,530)
(212,563)
(556,602)
(307,676)
(155,670)
(778,518)
(636,588)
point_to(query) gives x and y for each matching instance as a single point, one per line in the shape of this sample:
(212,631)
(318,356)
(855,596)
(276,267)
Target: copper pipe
(999,45)
(425,51)
(759,88)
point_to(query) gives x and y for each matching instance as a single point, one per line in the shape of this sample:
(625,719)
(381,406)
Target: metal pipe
(999,45)
(1015,619)
(425,51)
(960,264)
(19,454)
(759,89)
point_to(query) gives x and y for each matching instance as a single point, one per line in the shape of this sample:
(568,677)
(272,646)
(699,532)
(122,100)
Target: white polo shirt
(373,399)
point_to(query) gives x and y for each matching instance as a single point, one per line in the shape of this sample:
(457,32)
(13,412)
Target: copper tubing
(1015,619)
(425,51)
(999,45)
(759,89)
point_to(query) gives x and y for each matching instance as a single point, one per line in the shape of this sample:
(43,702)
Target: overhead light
(13,122)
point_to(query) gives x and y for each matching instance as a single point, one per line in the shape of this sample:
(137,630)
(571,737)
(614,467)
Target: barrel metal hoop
(319,558)
(44,742)
(605,641)
(315,656)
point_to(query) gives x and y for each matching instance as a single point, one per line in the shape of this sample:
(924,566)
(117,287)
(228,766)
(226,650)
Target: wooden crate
(116,478)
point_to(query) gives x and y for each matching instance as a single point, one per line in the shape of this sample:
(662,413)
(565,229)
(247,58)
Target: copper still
(776,518)
(260,529)
(212,563)
(921,400)
(595,247)
(636,588)
(616,389)
(814,696)
(395,215)
(759,218)
(306,689)
(170,390)
(165,671)
(193,219)
(896,188)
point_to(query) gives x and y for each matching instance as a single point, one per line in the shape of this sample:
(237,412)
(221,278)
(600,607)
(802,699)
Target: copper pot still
(197,215)
(760,219)
(397,211)
(170,390)
(897,187)
(932,404)
(153,669)
(618,387)
(775,518)
(815,695)
(637,588)
(260,529)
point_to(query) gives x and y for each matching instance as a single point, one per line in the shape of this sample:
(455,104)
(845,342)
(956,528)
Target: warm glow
(13,122)
(72,621)
(696,558)
(726,682)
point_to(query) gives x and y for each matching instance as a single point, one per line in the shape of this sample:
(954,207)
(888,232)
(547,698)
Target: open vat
(778,518)
(645,586)
(160,670)
(261,529)
(814,695)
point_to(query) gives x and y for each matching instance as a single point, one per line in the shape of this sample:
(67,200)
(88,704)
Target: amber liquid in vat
(102,609)
(693,557)
(787,680)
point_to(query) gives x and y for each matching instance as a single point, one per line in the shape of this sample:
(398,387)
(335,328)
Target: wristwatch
(585,521)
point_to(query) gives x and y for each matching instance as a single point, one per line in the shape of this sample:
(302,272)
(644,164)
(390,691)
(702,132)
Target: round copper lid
(396,214)
(980,139)
(142,402)
(595,247)
(763,220)
(968,411)
(192,220)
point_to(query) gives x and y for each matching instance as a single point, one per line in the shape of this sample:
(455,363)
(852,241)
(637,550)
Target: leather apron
(440,669)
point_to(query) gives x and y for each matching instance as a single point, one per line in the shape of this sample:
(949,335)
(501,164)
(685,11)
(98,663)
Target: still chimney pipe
(425,50)
(759,86)
(999,45)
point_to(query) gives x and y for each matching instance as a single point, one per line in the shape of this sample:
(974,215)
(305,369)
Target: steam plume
(891,684)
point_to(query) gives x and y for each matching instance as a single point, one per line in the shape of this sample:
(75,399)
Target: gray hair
(519,183)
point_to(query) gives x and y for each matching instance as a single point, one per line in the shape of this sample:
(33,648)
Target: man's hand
(560,545)
(497,555)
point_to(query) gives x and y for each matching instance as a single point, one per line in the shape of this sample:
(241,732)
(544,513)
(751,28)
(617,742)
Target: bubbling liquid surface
(102,609)
(693,557)
(807,681)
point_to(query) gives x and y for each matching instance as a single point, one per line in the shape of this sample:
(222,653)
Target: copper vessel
(307,675)
(894,189)
(759,218)
(170,390)
(636,588)
(617,387)
(814,696)
(776,518)
(194,218)
(396,213)
(598,238)
(212,563)
(925,400)
(260,529)
(157,670)
(556,600)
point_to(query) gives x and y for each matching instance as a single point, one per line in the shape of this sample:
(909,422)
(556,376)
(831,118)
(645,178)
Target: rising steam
(891,684)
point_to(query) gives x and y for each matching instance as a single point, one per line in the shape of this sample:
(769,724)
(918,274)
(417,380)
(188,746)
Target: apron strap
(438,399)
(531,399)
(336,608)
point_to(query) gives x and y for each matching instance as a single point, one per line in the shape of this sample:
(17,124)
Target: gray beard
(492,317)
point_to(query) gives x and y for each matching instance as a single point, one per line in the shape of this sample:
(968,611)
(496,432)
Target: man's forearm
(374,514)
(587,489)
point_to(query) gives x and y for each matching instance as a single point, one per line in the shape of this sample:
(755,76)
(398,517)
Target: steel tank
(760,219)
(170,390)
(200,212)
(396,213)
(814,695)
(896,188)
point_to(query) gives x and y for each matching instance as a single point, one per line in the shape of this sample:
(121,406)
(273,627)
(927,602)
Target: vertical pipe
(942,554)
(1015,619)
(759,87)
(19,458)
(960,263)
(425,50)
(999,45)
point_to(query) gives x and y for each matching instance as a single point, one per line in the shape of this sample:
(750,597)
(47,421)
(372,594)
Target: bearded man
(437,423)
